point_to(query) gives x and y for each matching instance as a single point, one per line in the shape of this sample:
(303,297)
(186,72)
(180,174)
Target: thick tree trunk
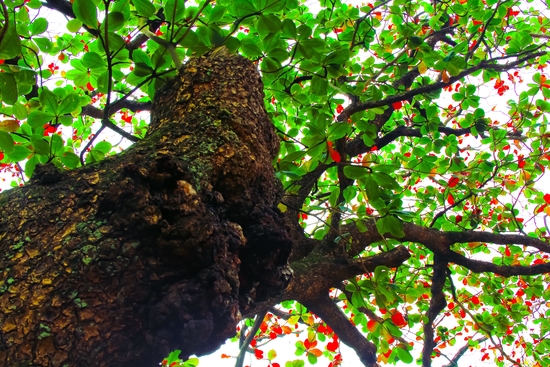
(162,247)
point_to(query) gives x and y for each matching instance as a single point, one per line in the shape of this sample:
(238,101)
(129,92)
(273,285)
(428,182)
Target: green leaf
(38,119)
(319,86)
(174,10)
(144,8)
(139,56)
(92,60)
(86,12)
(38,26)
(40,146)
(57,145)
(74,25)
(267,24)
(103,146)
(390,224)
(10,44)
(333,198)
(48,99)
(6,142)
(8,88)
(355,172)
(217,13)
(115,20)
(372,189)
(339,57)
(19,153)
(191,362)
(404,355)
(103,82)
(338,130)
(70,160)
(289,29)
(44,44)
(242,8)
(30,165)
(69,104)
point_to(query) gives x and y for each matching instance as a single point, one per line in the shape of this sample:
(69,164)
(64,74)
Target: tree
(367,184)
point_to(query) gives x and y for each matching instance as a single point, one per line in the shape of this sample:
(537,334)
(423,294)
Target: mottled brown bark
(162,247)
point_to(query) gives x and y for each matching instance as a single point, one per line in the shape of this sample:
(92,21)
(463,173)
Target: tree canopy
(414,144)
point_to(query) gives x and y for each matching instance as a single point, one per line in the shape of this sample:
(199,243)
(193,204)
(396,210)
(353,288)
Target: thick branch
(325,308)
(440,242)
(317,274)
(437,303)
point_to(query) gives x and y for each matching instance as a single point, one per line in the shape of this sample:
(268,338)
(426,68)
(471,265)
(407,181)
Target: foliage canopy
(425,123)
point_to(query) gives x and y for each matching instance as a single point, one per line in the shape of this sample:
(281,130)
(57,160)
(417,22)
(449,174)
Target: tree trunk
(162,247)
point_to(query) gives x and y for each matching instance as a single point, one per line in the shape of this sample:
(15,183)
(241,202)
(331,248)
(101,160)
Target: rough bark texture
(161,247)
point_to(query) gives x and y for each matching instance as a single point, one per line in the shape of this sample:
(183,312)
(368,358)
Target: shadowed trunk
(164,246)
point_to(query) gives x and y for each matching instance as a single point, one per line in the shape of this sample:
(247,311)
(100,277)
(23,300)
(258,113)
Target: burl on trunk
(162,247)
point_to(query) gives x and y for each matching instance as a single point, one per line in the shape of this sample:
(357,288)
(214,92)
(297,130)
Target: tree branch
(437,304)
(257,323)
(483,65)
(133,106)
(326,309)
(454,361)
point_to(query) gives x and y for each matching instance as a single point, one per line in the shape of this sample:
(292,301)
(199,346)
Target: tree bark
(162,247)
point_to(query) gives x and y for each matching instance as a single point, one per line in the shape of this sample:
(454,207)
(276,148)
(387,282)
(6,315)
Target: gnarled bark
(164,246)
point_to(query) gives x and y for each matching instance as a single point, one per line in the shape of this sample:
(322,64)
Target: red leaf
(450,199)
(339,108)
(475,300)
(263,327)
(333,345)
(335,156)
(89,86)
(258,354)
(333,153)
(397,105)
(371,324)
(453,181)
(458,219)
(547,198)
(398,319)
(507,252)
